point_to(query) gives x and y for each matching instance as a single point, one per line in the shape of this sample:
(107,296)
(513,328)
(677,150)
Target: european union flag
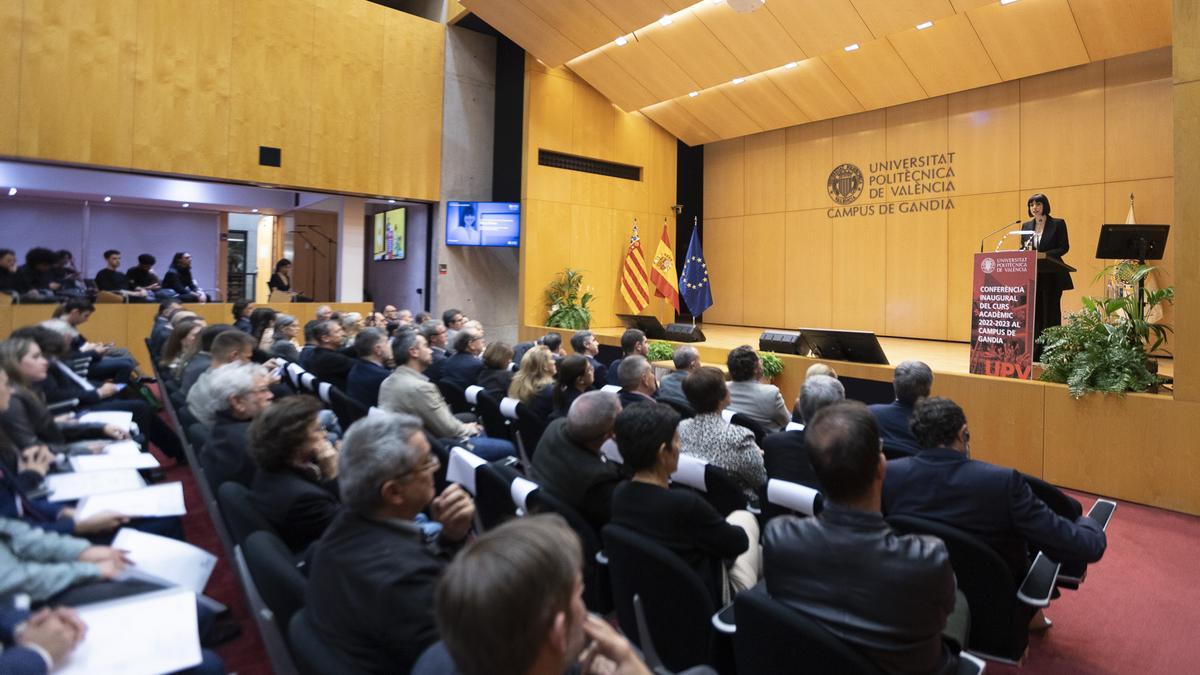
(693,281)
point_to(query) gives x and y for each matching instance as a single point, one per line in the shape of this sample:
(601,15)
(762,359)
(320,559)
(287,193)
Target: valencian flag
(662,270)
(697,292)
(635,287)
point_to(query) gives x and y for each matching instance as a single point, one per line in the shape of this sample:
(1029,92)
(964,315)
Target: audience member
(750,396)
(633,341)
(241,314)
(142,277)
(262,329)
(371,586)
(687,361)
(230,346)
(352,322)
(310,341)
(453,320)
(295,487)
(785,455)
(372,367)
(421,318)
(286,330)
(636,376)
(495,377)
(10,281)
(568,462)
(819,369)
(112,280)
(37,275)
(463,368)
(584,343)
(912,380)
(33,644)
(324,313)
(240,392)
(68,277)
(184,336)
(511,604)
(574,377)
(724,552)
(437,338)
(179,279)
(888,595)
(408,390)
(203,359)
(533,384)
(161,329)
(553,342)
(104,361)
(710,437)
(327,362)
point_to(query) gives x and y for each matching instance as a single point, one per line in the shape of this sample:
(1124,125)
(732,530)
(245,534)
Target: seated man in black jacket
(568,462)
(242,391)
(113,280)
(888,595)
(374,351)
(179,279)
(784,455)
(371,584)
(912,380)
(462,369)
(327,361)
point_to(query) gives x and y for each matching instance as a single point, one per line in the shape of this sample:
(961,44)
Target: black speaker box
(780,342)
(682,332)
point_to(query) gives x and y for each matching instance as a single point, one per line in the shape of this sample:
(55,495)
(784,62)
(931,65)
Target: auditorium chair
(280,583)
(493,494)
(241,516)
(454,397)
(712,482)
(347,409)
(597,592)
(530,427)
(891,452)
(677,605)
(311,654)
(781,497)
(1000,610)
(494,422)
(742,421)
(685,411)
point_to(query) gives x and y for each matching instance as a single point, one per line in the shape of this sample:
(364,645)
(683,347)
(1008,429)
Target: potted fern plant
(659,351)
(565,305)
(772,365)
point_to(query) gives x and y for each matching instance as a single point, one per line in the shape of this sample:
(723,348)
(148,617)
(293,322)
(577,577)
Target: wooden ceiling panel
(696,50)
(820,26)
(631,15)
(925,52)
(651,66)
(671,116)
(813,87)
(714,109)
(756,38)
(1116,27)
(1029,37)
(524,27)
(578,20)
(677,5)
(885,17)
(765,103)
(611,80)
(963,5)
(875,74)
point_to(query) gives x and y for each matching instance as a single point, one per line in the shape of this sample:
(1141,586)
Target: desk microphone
(1002,227)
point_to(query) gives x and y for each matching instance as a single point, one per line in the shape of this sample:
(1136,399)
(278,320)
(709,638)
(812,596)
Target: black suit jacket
(364,380)
(226,455)
(574,474)
(893,419)
(785,456)
(461,370)
(297,506)
(990,502)
(330,366)
(495,381)
(601,372)
(1055,243)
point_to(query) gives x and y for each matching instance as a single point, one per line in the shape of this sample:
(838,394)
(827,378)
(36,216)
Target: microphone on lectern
(1006,225)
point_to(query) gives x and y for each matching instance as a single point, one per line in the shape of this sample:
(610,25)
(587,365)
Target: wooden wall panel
(182,86)
(548,125)
(985,133)
(271,73)
(410,146)
(544,240)
(917,129)
(633,142)
(973,217)
(612,80)
(763,270)
(859,136)
(1083,208)
(67,117)
(345,132)
(764,171)
(724,179)
(859,273)
(724,254)
(593,232)
(1062,127)
(1012,440)
(10,73)
(808,284)
(916,265)
(808,158)
(1137,116)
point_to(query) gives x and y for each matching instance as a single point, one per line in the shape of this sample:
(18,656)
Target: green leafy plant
(567,308)
(660,351)
(772,365)
(1105,346)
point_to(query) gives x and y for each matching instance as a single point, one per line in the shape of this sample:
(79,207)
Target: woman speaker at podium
(1047,235)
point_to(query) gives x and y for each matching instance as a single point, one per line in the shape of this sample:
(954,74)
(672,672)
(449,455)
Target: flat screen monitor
(389,234)
(483,223)
(844,345)
(650,325)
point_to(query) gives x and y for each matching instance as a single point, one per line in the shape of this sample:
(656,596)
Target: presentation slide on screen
(483,223)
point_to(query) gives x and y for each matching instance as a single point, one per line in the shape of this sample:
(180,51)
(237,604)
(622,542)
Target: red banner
(1002,298)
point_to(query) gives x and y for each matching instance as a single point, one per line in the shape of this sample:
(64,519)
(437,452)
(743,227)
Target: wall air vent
(559,160)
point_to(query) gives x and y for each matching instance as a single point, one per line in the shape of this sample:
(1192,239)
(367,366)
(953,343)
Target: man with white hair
(912,380)
(240,391)
(371,584)
(568,462)
(785,455)
(231,346)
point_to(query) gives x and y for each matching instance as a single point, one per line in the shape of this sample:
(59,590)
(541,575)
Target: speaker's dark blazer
(1054,244)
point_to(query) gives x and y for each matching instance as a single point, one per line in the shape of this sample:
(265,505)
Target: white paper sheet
(375,410)
(462,468)
(123,448)
(790,495)
(690,472)
(794,426)
(106,462)
(165,560)
(66,487)
(140,635)
(117,418)
(611,388)
(149,502)
(610,450)
(520,489)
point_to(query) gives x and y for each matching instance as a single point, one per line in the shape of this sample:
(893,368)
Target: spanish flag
(662,271)
(635,287)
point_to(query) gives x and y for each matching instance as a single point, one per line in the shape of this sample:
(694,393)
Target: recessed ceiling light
(253,210)
(851,48)
(108,199)
(793,64)
(923,26)
(739,80)
(693,94)
(12,191)
(1007,2)
(185,205)
(716,2)
(621,41)
(391,201)
(666,20)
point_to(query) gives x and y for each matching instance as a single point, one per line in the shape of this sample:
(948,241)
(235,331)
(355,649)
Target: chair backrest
(893,452)
(493,494)
(597,593)
(494,423)
(795,497)
(678,607)
(280,584)
(721,491)
(347,409)
(531,426)
(771,637)
(241,516)
(1058,501)
(685,411)
(756,428)
(455,398)
(999,622)
(311,654)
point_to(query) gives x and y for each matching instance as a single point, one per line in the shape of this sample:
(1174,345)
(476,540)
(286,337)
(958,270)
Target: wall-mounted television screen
(389,235)
(483,223)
